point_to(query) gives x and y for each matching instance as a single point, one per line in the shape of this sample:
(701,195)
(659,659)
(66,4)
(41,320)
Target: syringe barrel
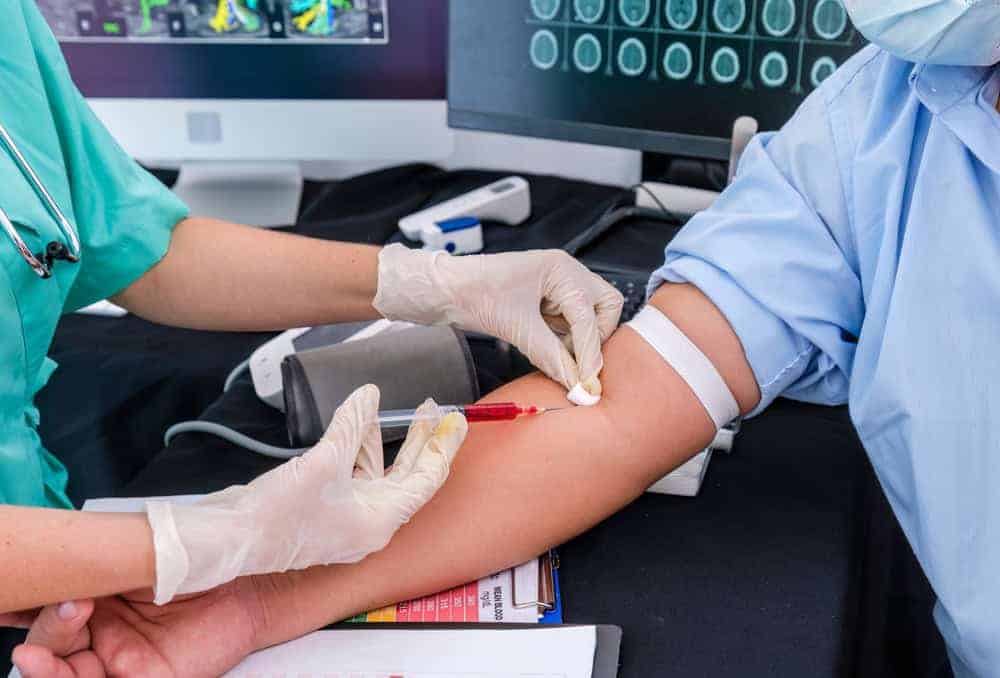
(473,413)
(492,412)
(398,418)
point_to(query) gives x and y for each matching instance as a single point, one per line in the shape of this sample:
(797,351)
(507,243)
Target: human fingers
(34,661)
(585,338)
(421,430)
(544,346)
(431,466)
(606,301)
(608,305)
(62,628)
(353,436)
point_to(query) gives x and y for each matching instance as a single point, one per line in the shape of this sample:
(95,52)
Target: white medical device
(507,201)
(265,362)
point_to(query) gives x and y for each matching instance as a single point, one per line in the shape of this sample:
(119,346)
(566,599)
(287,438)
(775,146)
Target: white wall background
(482,150)
(156,132)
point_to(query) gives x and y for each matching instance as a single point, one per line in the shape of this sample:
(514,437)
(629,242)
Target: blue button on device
(458,224)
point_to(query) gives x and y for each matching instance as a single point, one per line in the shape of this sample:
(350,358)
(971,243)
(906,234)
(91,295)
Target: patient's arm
(523,487)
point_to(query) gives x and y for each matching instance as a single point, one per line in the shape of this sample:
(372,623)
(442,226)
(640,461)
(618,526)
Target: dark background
(411,66)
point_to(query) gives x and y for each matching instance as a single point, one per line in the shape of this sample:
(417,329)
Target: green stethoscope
(55,250)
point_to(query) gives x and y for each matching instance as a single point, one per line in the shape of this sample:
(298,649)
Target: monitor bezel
(649,141)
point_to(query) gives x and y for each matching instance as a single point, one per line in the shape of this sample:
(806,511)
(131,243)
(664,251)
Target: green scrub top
(123,215)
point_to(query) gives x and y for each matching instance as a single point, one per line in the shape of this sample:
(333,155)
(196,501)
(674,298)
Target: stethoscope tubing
(67,229)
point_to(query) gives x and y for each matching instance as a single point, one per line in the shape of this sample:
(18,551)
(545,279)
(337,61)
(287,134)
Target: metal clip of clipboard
(529,590)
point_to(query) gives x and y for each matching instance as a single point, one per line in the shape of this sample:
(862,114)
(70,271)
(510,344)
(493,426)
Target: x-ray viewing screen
(687,67)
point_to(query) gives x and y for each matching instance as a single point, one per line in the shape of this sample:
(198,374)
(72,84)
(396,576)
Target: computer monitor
(667,76)
(261,82)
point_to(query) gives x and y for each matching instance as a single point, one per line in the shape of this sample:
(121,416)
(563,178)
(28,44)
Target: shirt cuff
(775,353)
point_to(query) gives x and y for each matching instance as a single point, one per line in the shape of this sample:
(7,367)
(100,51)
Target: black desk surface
(769,572)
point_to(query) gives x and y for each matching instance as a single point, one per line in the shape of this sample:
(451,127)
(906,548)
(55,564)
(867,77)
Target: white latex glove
(544,302)
(316,509)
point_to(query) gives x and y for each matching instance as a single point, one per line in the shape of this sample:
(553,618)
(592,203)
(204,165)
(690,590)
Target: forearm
(52,555)
(221,276)
(523,487)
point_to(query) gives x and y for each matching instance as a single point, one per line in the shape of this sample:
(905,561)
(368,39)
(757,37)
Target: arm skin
(221,276)
(524,487)
(215,276)
(51,555)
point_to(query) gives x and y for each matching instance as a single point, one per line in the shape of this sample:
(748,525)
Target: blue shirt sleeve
(124,215)
(775,255)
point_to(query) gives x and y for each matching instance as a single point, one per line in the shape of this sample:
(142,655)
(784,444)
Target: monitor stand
(258,194)
(686,201)
(668,203)
(681,200)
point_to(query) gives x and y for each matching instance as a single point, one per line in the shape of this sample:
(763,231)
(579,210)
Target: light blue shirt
(857,257)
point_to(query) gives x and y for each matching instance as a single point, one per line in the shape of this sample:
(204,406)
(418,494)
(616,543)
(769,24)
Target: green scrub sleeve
(124,215)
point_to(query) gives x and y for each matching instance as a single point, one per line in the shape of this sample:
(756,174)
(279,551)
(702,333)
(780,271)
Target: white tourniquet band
(689,362)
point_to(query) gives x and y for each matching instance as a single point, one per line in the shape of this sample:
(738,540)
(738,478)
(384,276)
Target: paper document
(557,652)
(563,652)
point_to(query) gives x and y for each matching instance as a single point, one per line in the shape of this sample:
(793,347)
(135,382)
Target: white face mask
(954,32)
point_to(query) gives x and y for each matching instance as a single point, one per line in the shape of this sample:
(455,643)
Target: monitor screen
(253,49)
(659,75)
(332,21)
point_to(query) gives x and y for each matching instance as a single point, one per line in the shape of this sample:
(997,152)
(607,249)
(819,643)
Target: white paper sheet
(563,652)
(558,652)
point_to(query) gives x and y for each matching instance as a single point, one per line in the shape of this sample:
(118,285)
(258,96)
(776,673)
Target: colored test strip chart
(750,44)
(488,600)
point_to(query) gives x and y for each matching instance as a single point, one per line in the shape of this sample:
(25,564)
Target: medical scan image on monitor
(745,44)
(667,67)
(320,21)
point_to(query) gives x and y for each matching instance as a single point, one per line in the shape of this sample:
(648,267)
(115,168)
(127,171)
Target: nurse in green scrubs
(81,222)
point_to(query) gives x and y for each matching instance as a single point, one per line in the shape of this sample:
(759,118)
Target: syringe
(473,413)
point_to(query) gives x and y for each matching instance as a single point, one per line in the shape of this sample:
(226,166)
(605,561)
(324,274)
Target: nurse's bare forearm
(221,276)
(518,489)
(49,555)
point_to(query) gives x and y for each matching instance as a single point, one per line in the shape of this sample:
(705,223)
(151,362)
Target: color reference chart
(488,600)
(751,44)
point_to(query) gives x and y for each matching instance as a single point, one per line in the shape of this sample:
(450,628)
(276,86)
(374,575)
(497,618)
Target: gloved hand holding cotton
(334,504)
(544,302)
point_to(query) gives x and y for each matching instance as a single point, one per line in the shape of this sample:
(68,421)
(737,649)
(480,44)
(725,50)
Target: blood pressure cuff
(408,366)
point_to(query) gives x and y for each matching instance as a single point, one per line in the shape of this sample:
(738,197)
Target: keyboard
(632,285)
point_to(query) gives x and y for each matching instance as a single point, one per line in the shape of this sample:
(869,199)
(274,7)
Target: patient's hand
(205,635)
